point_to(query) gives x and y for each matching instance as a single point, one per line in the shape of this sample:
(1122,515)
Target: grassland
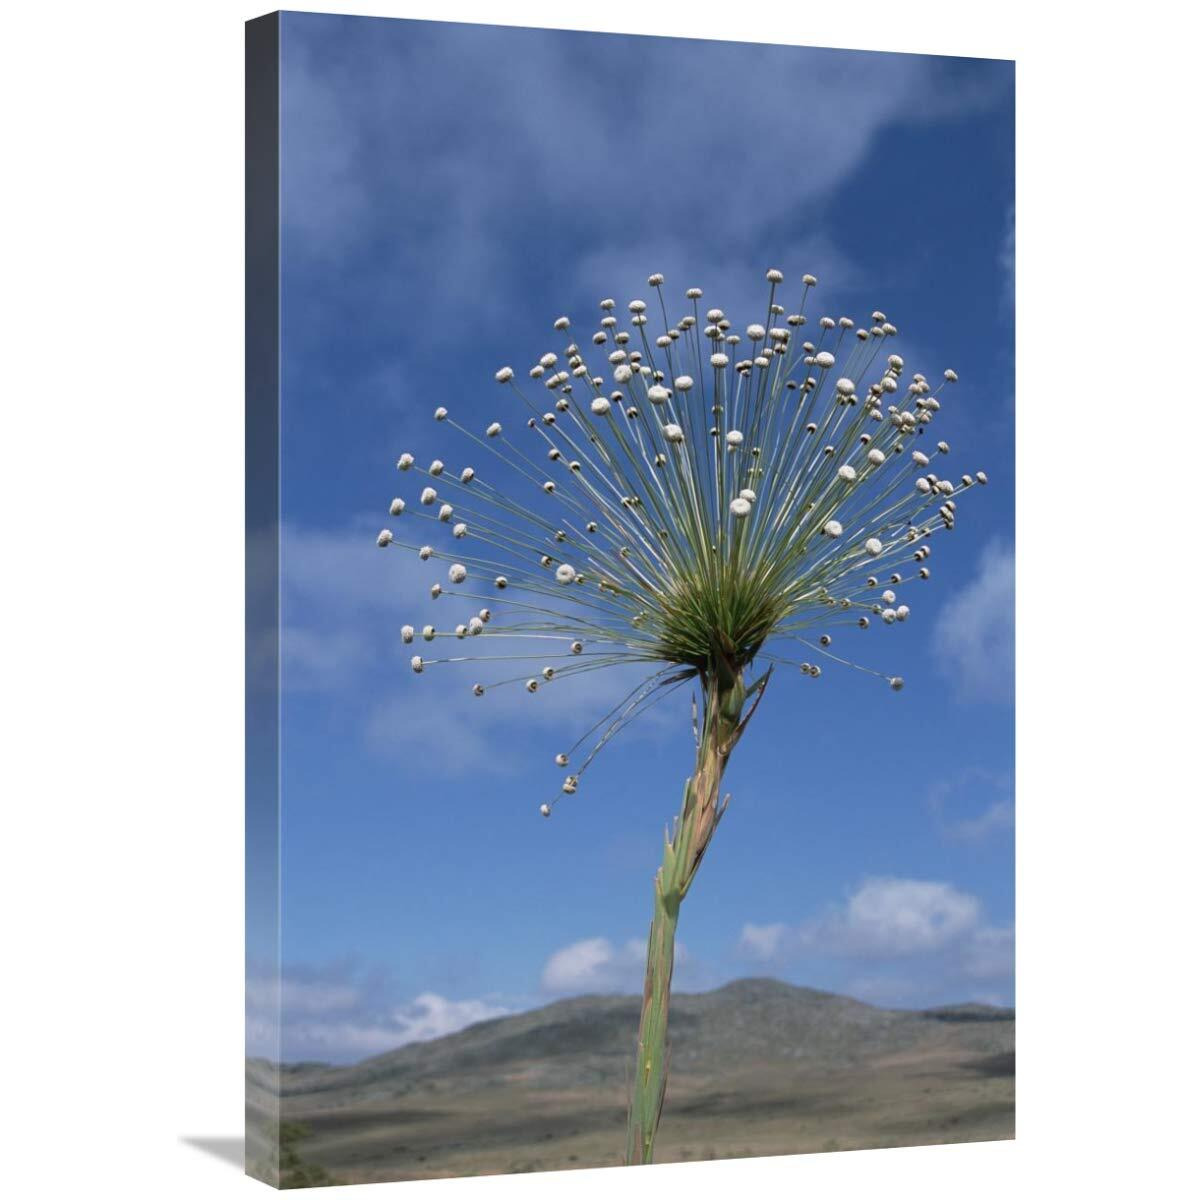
(758,1068)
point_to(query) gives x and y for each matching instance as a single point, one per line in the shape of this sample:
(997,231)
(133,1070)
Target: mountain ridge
(745,1019)
(758,1066)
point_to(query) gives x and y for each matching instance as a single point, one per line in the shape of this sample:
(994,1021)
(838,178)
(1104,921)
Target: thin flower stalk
(725,701)
(691,500)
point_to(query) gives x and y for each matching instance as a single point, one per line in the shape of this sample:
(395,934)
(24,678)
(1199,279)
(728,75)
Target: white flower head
(417,664)
(384,538)
(665,534)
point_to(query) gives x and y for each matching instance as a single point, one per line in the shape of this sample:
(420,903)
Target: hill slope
(757,1067)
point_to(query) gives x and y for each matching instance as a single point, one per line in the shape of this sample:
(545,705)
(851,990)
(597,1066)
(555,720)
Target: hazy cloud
(1008,258)
(763,941)
(339,1014)
(344,601)
(974,632)
(972,804)
(354,201)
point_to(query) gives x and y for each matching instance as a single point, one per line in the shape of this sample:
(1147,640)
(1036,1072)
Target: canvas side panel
(262,599)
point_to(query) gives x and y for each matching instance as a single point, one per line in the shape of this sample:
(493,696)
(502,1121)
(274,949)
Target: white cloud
(427,1017)
(433,1016)
(596,965)
(897,917)
(905,941)
(974,632)
(884,918)
(334,1015)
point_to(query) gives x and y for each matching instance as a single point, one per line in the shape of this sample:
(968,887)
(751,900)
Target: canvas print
(629,600)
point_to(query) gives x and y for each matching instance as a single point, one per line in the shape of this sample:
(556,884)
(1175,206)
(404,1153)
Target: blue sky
(449,190)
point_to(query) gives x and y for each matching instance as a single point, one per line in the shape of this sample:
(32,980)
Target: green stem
(650,1084)
(682,852)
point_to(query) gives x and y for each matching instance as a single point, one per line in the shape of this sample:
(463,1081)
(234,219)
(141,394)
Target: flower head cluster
(692,499)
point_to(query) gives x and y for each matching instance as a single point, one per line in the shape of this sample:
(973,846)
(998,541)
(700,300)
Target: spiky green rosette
(674,506)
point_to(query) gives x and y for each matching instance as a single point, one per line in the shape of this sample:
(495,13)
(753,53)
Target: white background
(120,470)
